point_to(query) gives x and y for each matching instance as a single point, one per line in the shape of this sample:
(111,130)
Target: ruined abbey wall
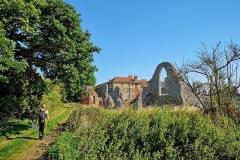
(175,91)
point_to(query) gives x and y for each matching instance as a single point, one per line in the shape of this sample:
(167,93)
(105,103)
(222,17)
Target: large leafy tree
(42,38)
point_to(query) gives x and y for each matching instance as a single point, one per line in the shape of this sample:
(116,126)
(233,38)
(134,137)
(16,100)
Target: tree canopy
(41,39)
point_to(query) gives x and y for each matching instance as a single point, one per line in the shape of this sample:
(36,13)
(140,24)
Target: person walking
(43,118)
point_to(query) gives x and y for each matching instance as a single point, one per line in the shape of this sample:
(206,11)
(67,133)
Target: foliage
(53,97)
(17,89)
(41,38)
(145,134)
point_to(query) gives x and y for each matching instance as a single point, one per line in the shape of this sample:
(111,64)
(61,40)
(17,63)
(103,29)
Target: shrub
(53,97)
(146,134)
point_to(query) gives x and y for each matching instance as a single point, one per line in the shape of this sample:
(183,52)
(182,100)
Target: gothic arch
(171,71)
(173,84)
(171,75)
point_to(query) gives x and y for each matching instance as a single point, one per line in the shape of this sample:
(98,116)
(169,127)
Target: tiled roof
(122,79)
(129,79)
(144,82)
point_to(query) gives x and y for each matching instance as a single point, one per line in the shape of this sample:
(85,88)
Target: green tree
(46,42)
(11,92)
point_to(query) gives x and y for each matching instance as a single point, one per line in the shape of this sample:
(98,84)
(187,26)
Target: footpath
(31,148)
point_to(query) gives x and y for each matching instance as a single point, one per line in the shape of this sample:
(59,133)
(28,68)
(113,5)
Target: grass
(16,127)
(7,130)
(16,136)
(24,139)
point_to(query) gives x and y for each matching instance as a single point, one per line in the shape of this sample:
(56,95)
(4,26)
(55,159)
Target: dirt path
(24,133)
(36,149)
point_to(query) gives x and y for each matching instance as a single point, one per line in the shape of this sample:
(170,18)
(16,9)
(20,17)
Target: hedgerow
(97,133)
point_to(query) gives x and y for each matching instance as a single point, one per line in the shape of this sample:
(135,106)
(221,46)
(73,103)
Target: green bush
(53,97)
(98,133)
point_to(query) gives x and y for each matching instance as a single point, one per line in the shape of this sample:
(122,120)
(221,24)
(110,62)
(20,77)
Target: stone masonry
(175,91)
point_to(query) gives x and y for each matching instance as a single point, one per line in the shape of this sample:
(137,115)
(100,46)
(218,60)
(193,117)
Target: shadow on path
(31,138)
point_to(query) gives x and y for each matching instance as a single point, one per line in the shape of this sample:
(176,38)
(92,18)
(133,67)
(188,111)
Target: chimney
(135,79)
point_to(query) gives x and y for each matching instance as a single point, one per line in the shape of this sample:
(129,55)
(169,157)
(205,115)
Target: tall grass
(97,133)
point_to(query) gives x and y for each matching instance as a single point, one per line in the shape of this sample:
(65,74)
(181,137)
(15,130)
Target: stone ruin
(92,97)
(107,99)
(175,91)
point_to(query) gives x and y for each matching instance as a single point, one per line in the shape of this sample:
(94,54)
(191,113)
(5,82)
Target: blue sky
(137,35)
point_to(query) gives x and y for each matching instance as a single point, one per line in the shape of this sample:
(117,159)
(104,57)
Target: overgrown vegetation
(97,133)
(54,97)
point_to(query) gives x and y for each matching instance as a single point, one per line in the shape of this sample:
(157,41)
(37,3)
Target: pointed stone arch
(173,84)
(171,75)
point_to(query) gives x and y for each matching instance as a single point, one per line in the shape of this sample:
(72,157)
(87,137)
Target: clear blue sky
(137,35)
